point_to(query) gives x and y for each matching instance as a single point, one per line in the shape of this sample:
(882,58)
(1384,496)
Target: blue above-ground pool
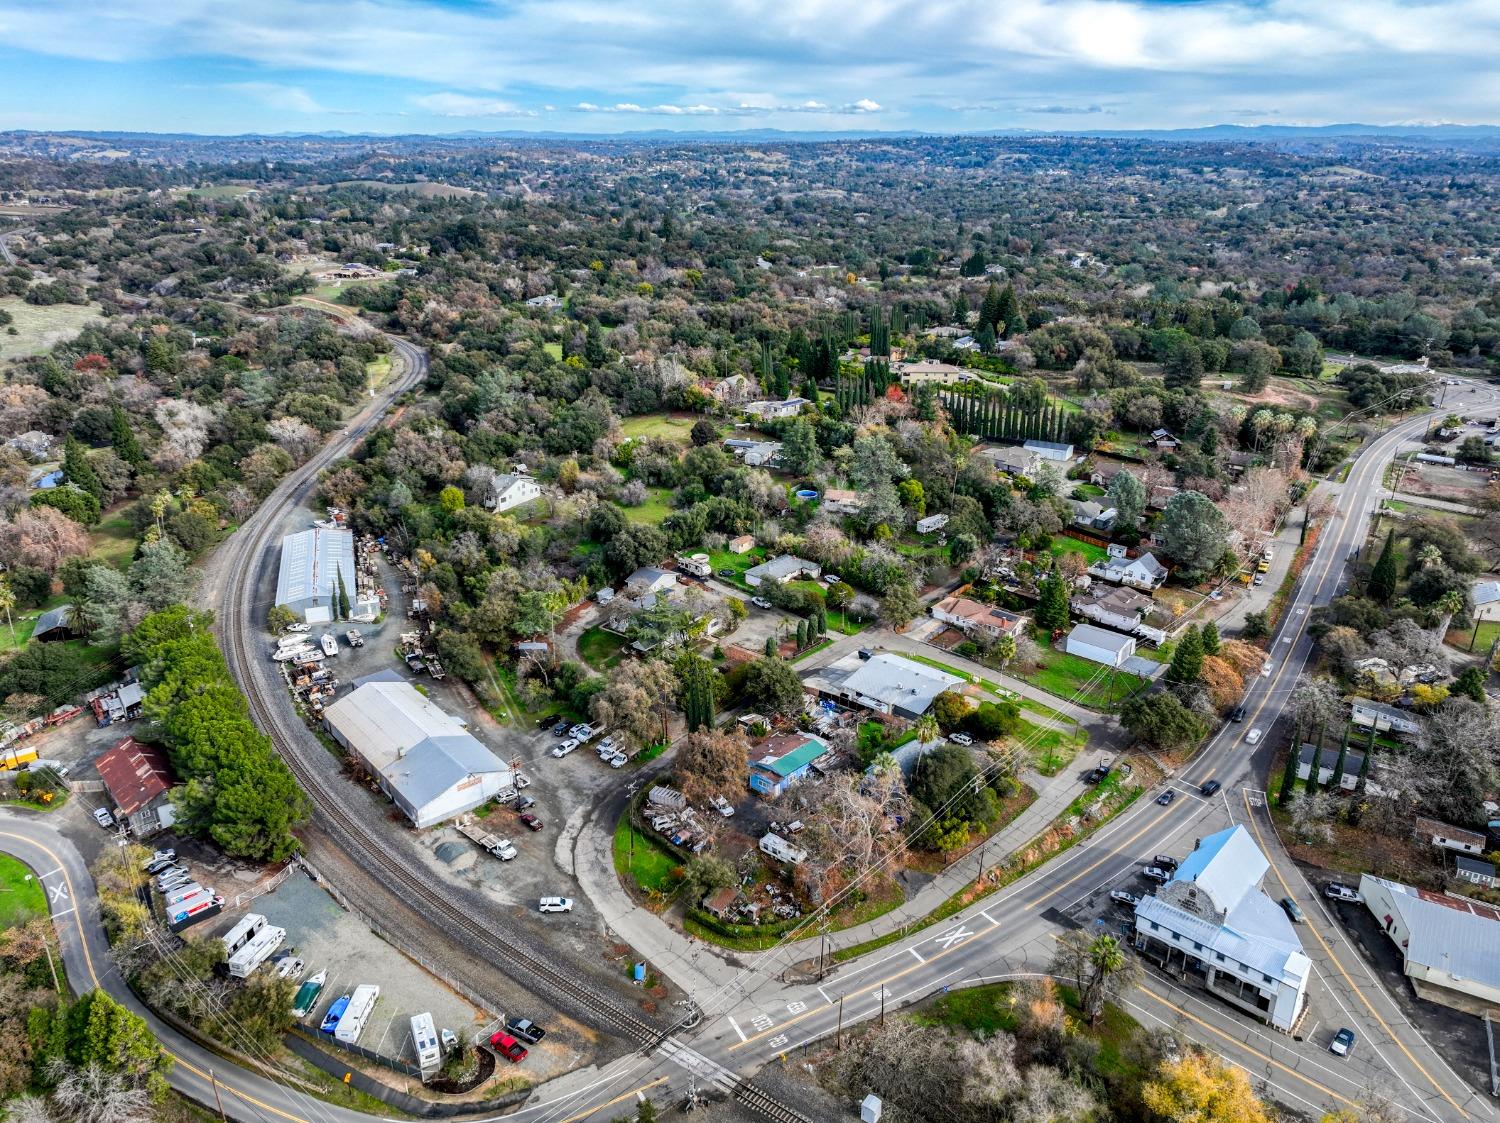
(806,493)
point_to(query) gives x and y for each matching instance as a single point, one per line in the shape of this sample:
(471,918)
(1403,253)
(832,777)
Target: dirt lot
(1438,481)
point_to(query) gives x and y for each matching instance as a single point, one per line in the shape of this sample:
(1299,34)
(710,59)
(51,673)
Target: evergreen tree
(801,634)
(989,310)
(343,605)
(1052,607)
(1010,321)
(1314,766)
(770,647)
(1383,577)
(122,438)
(1289,773)
(77,470)
(1356,806)
(1187,660)
(1209,635)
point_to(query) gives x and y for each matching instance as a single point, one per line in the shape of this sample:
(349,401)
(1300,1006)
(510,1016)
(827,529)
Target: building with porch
(1213,922)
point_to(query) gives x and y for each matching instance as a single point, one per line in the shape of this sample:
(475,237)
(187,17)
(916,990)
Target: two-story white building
(1213,921)
(512,490)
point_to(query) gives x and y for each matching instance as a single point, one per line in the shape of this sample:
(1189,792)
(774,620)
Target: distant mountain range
(1435,134)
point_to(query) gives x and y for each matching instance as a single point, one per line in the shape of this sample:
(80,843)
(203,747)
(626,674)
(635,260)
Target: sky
(605,66)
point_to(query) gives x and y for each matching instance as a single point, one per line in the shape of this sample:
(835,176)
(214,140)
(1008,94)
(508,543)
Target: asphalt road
(1007,936)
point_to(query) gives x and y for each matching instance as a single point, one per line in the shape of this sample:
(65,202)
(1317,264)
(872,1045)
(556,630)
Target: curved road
(1003,937)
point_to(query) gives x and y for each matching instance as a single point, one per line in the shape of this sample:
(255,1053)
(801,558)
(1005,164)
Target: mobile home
(241,934)
(242,964)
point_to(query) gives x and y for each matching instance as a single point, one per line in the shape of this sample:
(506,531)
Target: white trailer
(424,1040)
(240,935)
(361,1006)
(262,945)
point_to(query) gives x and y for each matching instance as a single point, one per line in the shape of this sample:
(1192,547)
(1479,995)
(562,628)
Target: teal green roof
(798,758)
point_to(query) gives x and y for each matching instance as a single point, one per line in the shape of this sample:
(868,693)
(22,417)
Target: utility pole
(217,1100)
(838,1037)
(882,1007)
(47,947)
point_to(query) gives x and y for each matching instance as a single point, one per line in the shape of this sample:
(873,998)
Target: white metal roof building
(1451,945)
(1099,645)
(1213,914)
(311,563)
(424,759)
(890,684)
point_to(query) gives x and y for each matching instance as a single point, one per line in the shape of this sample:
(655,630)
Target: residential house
(648,580)
(732,390)
(1163,441)
(785,759)
(1099,645)
(783,851)
(1214,924)
(511,490)
(1113,607)
(841,501)
(546,300)
(1238,461)
(743,544)
(1144,572)
(970,616)
(943,374)
(1093,516)
(782,569)
(884,683)
(1382,718)
(790,407)
(1476,872)
(931,523)
(1159,495)
(1487,600)
(1018,462)
(1104,471)
(1328,760)
(721,900)
(33,444)
(1450,946)
(1446,837)
(55,625)
(1050,450)
(135,775)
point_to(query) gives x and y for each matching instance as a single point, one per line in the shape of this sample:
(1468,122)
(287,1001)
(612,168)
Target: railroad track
(238,630)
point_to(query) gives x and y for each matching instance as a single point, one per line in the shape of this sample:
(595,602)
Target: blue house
(788,758)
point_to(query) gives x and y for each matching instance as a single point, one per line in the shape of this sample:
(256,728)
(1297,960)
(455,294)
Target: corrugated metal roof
(134,774)
(310,561)
(900,682)
(1449,934)
(1100,637)
(385,719)
(1227,865)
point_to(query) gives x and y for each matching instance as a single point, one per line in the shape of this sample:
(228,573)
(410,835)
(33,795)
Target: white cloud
(277,96)
(465,105)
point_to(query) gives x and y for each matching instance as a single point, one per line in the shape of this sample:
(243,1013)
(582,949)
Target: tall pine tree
(1383,576)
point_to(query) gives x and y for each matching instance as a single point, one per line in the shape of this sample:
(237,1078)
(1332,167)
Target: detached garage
(1099,645)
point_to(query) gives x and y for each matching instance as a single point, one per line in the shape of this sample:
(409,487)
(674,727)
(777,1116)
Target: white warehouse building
(312,564)
(424,759)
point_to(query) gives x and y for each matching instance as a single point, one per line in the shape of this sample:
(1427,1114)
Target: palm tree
(1429,555)
(7,603)
(926,729)
(1450,604)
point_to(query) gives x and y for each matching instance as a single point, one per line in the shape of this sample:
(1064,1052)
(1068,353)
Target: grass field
(1050,750)
(639,860)
(39,328)
(114,541)
(553,349)
(671,426)
(658,506)
(1063,545)
(600,649)
(1064,675)
(20,898)
(1489,632)
(222,191)
(377,370)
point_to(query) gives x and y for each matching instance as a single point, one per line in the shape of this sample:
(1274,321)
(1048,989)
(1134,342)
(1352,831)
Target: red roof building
(134,774)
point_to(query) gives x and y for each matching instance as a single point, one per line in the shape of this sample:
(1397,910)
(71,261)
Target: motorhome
(361,1006)
(238,936)
(424,1040)
(242,964)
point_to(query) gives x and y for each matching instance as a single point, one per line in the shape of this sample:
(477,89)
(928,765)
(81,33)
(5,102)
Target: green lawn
(13,639)
(992,687)
(377,370)
(1489,632)
(658,505)
(20,898)
(673,427)
(1087,491)
(1064,545)
(39,327)
(1064,675)
(553,349)
(113,541)
(600,649)
(1050,749)
(737,562)
(638,859)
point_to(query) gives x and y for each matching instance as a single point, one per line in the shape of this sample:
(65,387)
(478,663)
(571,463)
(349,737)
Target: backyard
(670,426)
(658,505)
(641,862)
(1073,677)
(600,649)
(1466,640)
(1087,550)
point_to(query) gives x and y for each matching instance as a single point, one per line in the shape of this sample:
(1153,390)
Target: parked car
(299,628)
(1292,910)
(449,1039)
(1266,670)
(831,579)
(555,904)
(1167,796)
(524,802)
(560,729)
(1337,892)
(103,817)
(508,1047)
(544,722)
(960,738)
(1253,737)
(1343,1043)
(531,822)
(618,760)
(526,1029)
(1210,788)
(760,602)
(1120,897)
(608,743)
(564,748)
(1260,579)
(1238,714)
(1156,873)
(49,765)
(1165,861)
(167,855)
